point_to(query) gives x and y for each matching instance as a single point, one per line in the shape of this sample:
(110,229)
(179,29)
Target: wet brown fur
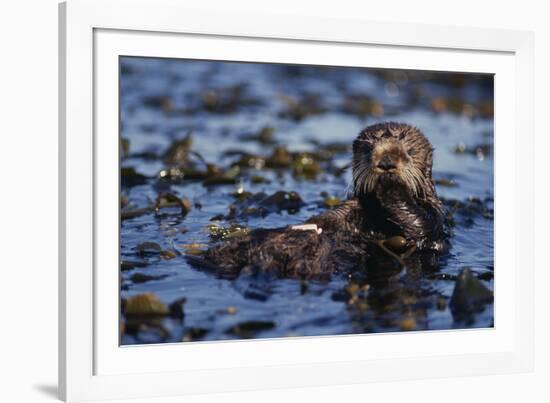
(398,199)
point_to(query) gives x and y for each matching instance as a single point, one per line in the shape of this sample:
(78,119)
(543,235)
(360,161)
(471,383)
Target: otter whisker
(363,183)
(360,177)
(359,168)
(362,173)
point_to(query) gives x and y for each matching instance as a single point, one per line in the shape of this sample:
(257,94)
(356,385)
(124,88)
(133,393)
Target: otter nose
(386,163)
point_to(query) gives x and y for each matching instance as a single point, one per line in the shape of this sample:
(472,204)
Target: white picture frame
(92,365)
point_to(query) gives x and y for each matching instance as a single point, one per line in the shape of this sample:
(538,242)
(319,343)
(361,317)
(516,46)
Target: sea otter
(393,196)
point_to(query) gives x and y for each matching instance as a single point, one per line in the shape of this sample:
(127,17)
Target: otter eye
(411,152)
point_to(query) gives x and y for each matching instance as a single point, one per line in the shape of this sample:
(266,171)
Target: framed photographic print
(246,207)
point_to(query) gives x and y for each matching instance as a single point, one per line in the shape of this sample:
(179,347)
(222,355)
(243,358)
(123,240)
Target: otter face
(390,155)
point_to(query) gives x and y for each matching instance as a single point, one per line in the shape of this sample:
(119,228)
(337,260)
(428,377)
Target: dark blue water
(161,102)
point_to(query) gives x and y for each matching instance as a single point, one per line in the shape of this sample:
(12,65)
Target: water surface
(164,100)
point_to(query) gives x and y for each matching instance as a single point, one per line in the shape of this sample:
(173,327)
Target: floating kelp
(148,248)
(281,158)
(351,293)
(178,152)
(161,102)
(257,179)
(146,304)
(250,161)
(480,150)
(450,183)
(227,100)
(229,177)
(304,165)
(263,136)
(387,256)
(195,333)
(128,214)
(146,328)
(176,308)
(298,108)
(282,200)
(261,204)
(223,100)
(327,151)
(147,155)
(407,324)
(194,248)
(331,201)
(396,244)
(131,264)
(124,201)
(124,147)
(129,177)
(176,175)
(145,316)
(397,306)
(219,180)
(166,199)
(241,194)
(249,329)
(468,210)
(470,295)
(138,278)
(168,254)
(462,107)
(218,232)
(362,106)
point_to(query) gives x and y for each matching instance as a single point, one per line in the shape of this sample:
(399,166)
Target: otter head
(392,157)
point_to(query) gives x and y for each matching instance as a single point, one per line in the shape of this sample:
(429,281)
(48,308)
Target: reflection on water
(243,112)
